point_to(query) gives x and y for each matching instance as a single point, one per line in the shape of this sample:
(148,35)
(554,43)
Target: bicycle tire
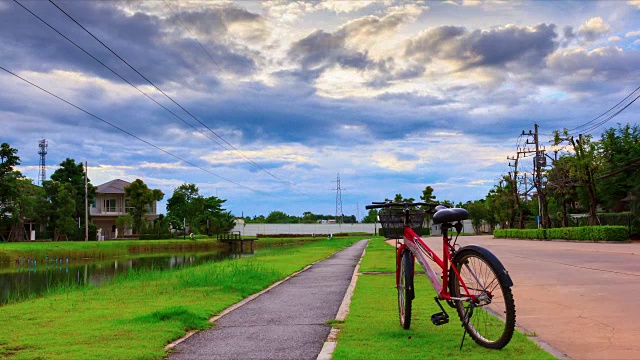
(405,289)
(493,321)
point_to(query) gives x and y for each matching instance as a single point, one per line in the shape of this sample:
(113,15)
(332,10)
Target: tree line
(58,206)
(596,177)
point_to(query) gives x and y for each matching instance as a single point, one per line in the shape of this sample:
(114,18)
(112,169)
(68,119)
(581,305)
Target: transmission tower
(42,170)
(339,212)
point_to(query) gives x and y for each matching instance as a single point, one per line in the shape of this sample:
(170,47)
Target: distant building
(109,203)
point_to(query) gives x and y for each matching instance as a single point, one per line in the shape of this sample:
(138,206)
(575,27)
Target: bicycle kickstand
(465,321)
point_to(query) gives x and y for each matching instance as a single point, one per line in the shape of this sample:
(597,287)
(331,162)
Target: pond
(23,278)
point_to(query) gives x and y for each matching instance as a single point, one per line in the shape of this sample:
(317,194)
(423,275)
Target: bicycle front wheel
(405,289)
(494,317)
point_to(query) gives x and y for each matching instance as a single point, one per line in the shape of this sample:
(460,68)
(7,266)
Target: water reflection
(27,277)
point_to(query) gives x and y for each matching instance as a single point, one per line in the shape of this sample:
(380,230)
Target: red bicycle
(473,280)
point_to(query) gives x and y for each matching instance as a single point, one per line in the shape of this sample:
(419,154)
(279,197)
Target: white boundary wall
(253,229)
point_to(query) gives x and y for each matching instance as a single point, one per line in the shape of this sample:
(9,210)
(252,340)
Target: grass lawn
(139,313)
(372,329)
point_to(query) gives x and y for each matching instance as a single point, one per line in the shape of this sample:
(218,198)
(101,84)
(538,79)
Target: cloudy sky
(268,101)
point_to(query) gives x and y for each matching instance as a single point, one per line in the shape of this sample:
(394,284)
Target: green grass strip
(372,330)
(136,315)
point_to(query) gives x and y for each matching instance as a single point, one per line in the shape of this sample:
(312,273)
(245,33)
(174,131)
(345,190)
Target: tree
(9,178)
(28,203)
(620,166)
(182,204)
(139,200)
(222,223)
(277,217)
(73,174)
(478,213)
(372,217)
(212,220)
(187,203)
(63,205)
(427,195)
(123,223)
(584,167)
(562,187)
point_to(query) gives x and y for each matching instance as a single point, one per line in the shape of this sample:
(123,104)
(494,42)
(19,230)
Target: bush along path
(588,233)
(138,314)
(372,329)
(287,322)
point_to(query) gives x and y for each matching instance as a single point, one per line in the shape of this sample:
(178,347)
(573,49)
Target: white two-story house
(109,203)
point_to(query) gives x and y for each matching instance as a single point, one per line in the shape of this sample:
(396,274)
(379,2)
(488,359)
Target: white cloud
(632,33)
(593,28)
(293,153)
(341,6)
(479,182)
(635,3)
(614,38)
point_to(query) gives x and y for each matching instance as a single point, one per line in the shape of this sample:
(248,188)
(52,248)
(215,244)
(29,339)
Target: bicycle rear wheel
(405,289)
(493,319)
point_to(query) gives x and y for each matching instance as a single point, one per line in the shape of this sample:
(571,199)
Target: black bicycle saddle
(445,215)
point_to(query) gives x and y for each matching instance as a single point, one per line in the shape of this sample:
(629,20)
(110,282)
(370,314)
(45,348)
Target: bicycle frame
(422,252)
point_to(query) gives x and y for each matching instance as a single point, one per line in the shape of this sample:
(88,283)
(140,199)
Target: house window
(93,204)
(109,205)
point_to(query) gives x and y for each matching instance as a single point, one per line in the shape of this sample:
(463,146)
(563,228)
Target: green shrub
(156,236)
(593,233)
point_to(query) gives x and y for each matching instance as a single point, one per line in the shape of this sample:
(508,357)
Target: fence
(308,229)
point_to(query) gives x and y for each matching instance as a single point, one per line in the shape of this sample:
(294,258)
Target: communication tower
(42,170)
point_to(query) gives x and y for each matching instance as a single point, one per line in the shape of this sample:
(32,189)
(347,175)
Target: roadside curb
(543,344)
(244,301)
(330,344)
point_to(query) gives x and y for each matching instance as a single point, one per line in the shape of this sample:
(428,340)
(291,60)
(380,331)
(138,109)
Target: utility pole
(516,195)
(86,203)
(539,161)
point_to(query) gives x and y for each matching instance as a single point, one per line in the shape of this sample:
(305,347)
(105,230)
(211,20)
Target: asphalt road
(582,298)
(287,322)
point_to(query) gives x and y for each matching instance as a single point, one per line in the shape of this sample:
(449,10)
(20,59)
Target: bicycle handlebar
(387,204)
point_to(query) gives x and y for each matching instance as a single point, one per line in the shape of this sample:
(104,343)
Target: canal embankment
(138,313)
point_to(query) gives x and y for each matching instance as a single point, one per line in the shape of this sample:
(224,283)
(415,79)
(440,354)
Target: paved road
(582,298)
(287,322)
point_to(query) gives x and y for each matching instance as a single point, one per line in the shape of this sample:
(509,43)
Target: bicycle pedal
(440,318)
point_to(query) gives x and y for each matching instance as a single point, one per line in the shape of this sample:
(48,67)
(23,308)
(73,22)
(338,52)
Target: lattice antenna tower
(42,169)
(339,212)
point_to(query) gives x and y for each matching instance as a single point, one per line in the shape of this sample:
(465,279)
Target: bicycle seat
(450,215)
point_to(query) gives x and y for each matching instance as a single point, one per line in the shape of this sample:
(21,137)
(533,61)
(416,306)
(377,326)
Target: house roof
(112,187)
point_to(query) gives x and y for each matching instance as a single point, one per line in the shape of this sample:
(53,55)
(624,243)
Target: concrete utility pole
(86,204)
(538,163)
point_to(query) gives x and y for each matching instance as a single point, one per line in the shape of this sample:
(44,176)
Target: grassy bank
(99,249)
(138,314)
(110,248)
(372,329)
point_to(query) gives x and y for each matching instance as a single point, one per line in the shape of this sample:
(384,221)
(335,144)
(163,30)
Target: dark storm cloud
(143,40)
(599,70)
(217,21)
(493,48)
(320,49)
(323,49)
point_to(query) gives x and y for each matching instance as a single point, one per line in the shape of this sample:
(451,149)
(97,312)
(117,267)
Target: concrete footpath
(286,322)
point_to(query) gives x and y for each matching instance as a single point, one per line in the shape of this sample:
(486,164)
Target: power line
(604,113)
(116,73)
(130,134)
(168,97)
(595,126)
